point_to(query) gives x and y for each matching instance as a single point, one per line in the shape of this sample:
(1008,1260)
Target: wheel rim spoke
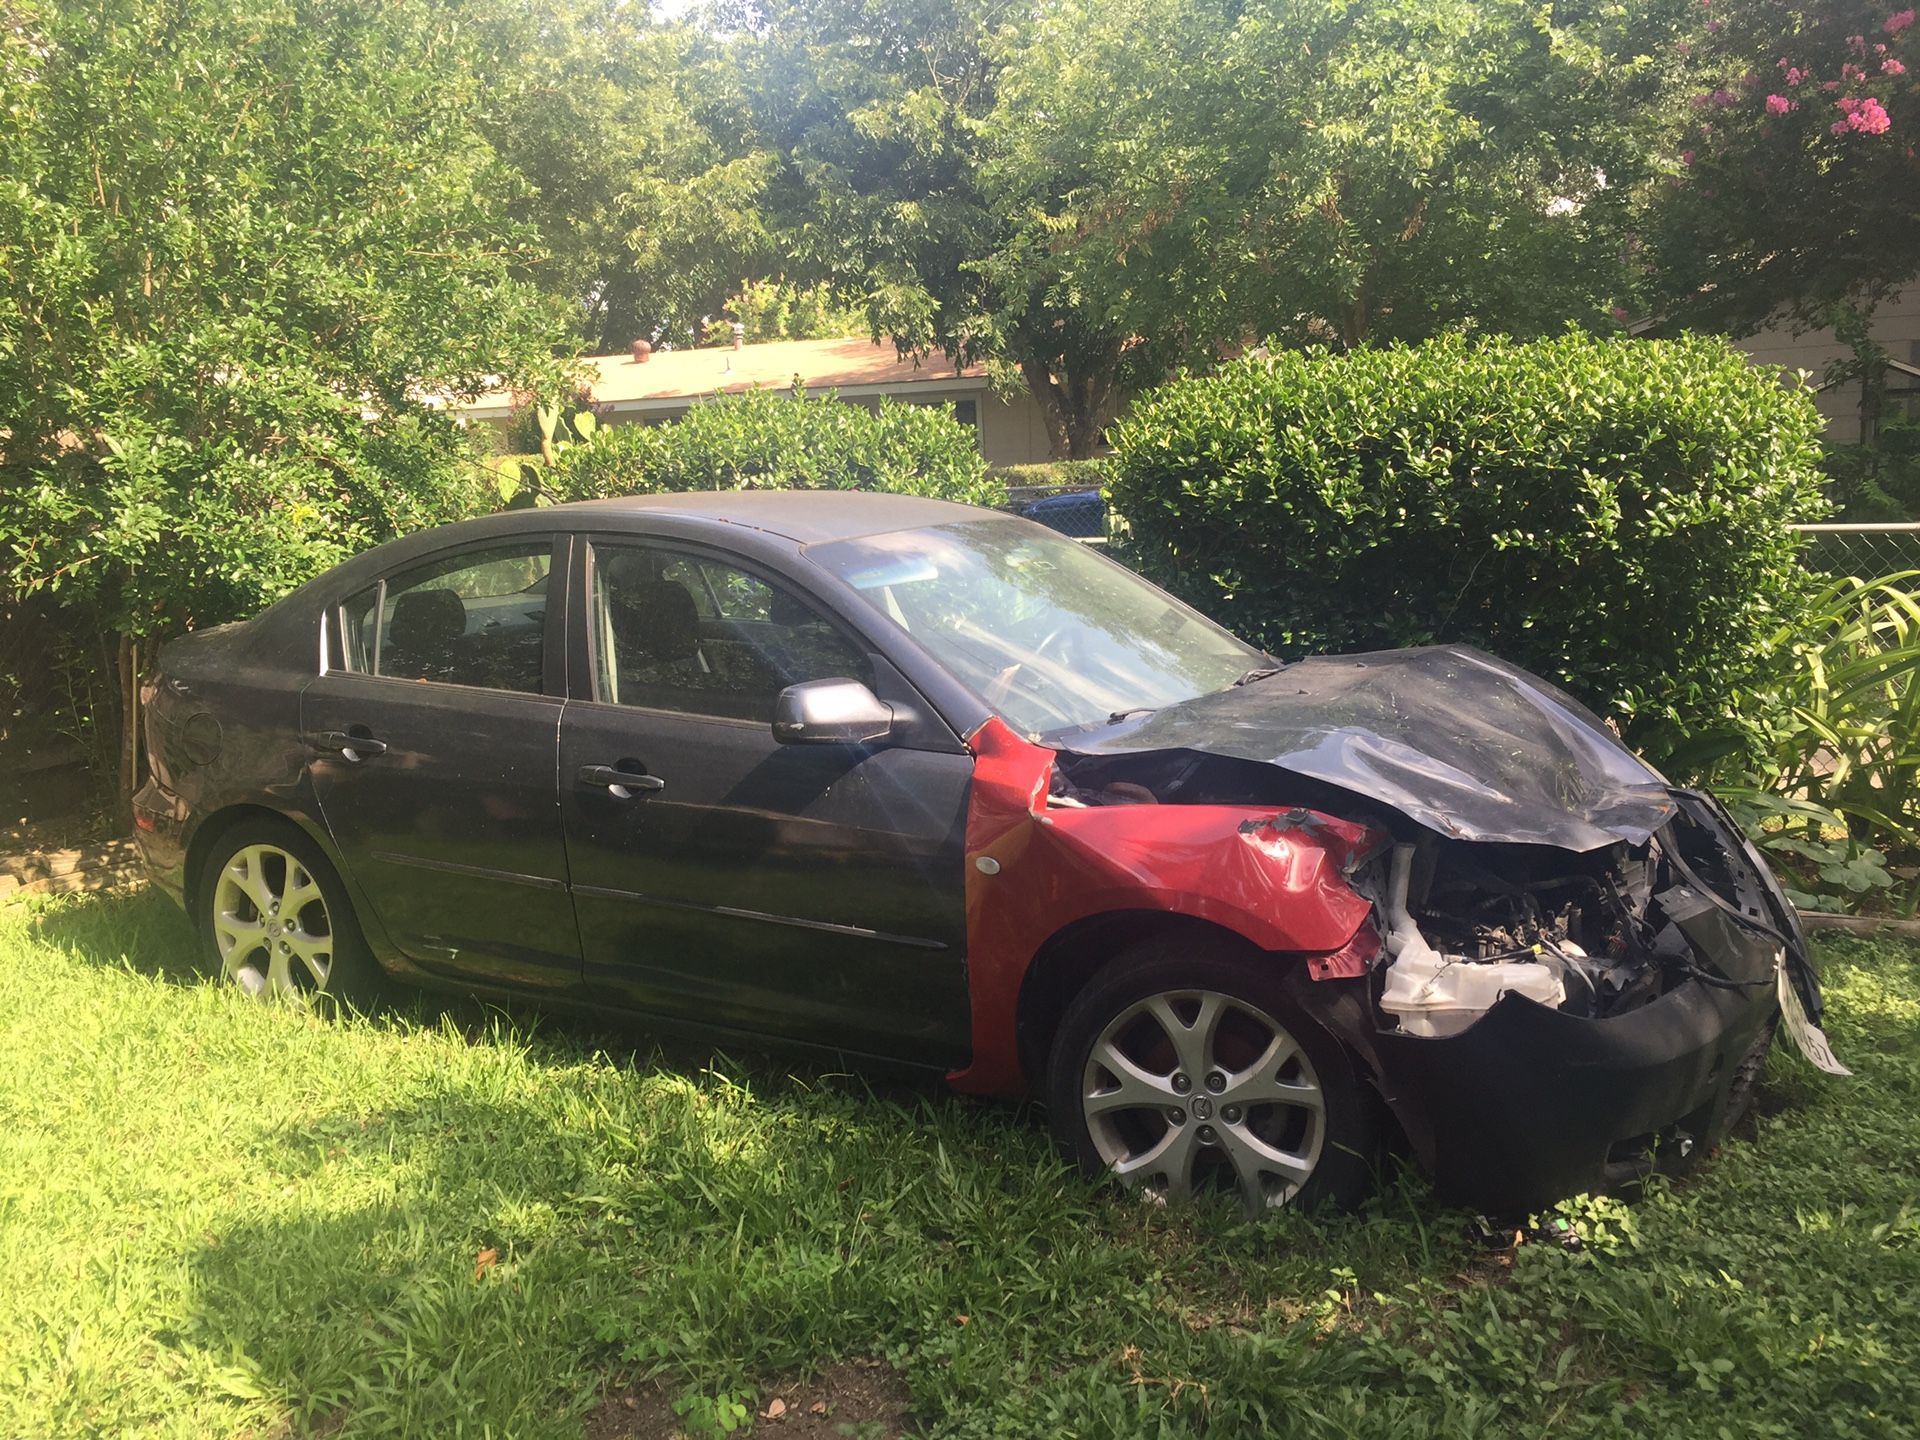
(1171,1159)
(315,952)
(247,871)
(1260,1082)
(1252,1159)
(1193,1044)
(1135,1088)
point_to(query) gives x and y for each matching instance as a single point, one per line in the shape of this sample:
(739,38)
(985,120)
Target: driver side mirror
(830,712)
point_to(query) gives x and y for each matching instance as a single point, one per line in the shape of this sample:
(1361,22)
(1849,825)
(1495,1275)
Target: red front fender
(1276,877)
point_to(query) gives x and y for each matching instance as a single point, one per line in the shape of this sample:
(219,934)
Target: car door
(811,892)
(434,732)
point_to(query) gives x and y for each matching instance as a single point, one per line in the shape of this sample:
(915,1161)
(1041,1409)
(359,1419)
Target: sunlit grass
(218,1219)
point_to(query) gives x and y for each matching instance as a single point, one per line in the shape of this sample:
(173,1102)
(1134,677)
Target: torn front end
(1544,1023)
(1541,1021)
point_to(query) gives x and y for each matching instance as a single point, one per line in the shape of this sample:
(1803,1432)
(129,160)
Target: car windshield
(1048,633)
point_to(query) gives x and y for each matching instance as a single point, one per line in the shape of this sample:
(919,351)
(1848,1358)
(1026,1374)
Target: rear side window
(702,637)
(478,618)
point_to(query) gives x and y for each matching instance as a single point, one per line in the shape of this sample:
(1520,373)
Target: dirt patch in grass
(864,1398)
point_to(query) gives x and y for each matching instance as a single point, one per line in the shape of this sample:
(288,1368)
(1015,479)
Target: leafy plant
(1610,513)
(713,1417)
(1821,756)
(762,440)
(244,245)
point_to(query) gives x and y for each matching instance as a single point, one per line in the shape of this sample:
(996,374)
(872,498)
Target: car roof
(806,517)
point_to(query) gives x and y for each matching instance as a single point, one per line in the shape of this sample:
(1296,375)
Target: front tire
(275,920)
(1184,1071)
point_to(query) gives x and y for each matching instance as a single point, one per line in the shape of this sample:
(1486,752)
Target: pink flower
(1879,49)
(1852,72)
(1714,27)
(1870,119)
(1720,99)
(1830,85)
(1839,127)
(1898,22)
(1892,67)
(1620,313)
(1686,156)
(1857,44)
(1795,75)
(1780,105)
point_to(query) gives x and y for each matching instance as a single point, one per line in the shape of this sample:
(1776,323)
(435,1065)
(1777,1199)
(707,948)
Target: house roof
(670,378)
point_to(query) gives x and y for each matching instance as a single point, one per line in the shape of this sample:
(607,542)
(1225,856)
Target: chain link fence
(1077,511)
(1865,551)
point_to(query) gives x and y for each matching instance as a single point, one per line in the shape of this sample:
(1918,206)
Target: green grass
(218,1219)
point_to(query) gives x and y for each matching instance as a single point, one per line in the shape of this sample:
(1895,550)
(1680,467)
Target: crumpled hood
(1450,737)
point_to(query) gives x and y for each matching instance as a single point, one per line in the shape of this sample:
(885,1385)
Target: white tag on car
(1807,1035)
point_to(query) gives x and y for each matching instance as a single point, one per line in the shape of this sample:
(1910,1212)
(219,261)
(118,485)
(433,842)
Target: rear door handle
(622,783)
(350,746)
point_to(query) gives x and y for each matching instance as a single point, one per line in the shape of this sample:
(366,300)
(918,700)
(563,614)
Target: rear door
(811,892)
(434,733)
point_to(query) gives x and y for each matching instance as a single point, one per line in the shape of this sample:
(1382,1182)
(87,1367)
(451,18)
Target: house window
(967,412)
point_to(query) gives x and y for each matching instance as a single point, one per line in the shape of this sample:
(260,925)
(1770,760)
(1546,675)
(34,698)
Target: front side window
(1050,635)
(478,618)
(699,636)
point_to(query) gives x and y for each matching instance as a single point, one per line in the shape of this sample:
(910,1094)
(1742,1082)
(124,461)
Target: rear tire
(1182,1070)
(275,920)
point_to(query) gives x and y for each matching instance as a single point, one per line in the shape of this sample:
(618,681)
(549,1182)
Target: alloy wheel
(271,926)
(1192,1090)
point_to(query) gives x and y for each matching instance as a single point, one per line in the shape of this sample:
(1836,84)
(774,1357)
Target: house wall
(1896,326)
(1013,429)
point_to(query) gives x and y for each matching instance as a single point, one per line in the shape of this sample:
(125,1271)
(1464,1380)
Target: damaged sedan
(893,778)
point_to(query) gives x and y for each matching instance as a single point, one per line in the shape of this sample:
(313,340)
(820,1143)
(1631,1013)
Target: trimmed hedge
(1609,513)
(764,440)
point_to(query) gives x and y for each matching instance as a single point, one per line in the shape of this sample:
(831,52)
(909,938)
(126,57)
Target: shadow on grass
(141,930)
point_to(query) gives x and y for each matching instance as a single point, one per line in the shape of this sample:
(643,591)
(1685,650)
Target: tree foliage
(245,248)
(1799,188)
(778,309)
(639,172)
(1092,192)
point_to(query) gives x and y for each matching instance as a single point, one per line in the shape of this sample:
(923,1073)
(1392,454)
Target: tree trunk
(127,673)
(1076,410)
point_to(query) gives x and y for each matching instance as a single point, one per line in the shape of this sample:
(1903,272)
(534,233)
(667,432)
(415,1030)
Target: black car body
(786,766)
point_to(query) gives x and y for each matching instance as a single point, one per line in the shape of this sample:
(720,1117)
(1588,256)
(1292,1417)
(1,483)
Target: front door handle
(623,783)
(348,744)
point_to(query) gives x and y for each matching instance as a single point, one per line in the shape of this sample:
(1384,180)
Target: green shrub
(1609,513)
(763,440)
(1054,475)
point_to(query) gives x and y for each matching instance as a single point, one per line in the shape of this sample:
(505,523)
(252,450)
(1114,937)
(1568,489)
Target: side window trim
(553,636)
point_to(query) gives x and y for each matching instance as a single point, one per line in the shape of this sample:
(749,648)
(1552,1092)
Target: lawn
(219,1219)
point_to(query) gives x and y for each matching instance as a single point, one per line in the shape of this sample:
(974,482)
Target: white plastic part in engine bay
(1432,994)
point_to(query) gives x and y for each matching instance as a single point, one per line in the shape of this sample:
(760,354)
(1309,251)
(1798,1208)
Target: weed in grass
(221,1219)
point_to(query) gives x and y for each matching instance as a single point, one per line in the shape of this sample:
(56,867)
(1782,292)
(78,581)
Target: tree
(1093,192)
(781,310)
(247,249)
(1798,188)
(639,171)
(1317,171)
